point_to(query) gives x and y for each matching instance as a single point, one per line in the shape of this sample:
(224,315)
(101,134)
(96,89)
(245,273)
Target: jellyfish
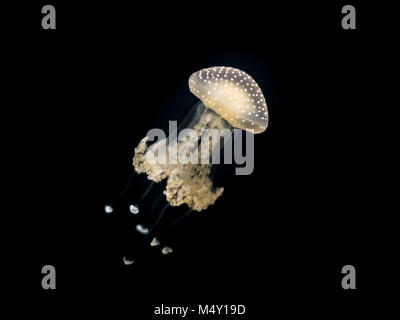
(228,99)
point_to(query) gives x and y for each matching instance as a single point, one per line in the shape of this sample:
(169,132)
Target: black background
(84,95)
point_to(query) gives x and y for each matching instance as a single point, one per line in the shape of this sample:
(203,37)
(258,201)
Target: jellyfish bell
(233,95)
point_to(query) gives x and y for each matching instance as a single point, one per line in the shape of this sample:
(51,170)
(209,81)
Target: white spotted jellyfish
(229,99)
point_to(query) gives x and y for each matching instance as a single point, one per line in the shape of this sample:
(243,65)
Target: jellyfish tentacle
(151,215)
(134,208)
(179,219)
(109,208)
(156,204)
(128,185)
(146,192)
(160,216)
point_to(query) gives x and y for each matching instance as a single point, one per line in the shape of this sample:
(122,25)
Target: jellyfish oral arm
(190,142)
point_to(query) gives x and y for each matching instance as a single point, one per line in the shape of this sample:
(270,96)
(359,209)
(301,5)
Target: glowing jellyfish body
(230,99)
(233,95)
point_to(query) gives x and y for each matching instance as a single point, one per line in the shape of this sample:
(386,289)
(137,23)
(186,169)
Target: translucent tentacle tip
(108,209)
(141,229)
(134,209)
(166,250)
(127,261)
(155,242)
